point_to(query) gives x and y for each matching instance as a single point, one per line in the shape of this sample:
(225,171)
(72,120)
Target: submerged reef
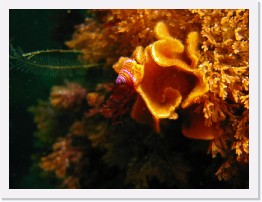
(173,114)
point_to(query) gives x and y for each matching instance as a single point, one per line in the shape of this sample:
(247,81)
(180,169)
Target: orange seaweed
(168,77)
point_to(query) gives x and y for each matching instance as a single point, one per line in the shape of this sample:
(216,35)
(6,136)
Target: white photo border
(254,173)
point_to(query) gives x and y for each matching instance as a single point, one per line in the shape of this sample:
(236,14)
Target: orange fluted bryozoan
(164,75)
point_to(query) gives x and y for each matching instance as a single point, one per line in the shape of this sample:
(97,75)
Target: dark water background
(32,30)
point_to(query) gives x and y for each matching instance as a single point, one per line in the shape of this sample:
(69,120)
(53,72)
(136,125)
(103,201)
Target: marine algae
(215,50)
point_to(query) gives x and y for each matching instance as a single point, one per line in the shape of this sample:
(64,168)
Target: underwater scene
(129,99)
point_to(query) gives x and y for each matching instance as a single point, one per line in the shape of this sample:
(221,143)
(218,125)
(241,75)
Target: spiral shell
(125,75)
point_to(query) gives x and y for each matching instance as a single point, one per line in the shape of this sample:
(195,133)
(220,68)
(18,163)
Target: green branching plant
(49,62)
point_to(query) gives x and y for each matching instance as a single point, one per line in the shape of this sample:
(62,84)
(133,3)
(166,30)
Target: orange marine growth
(198,130)
(60,159)
(166,76)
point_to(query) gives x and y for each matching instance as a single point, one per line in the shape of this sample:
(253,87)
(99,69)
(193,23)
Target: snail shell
(126,75)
